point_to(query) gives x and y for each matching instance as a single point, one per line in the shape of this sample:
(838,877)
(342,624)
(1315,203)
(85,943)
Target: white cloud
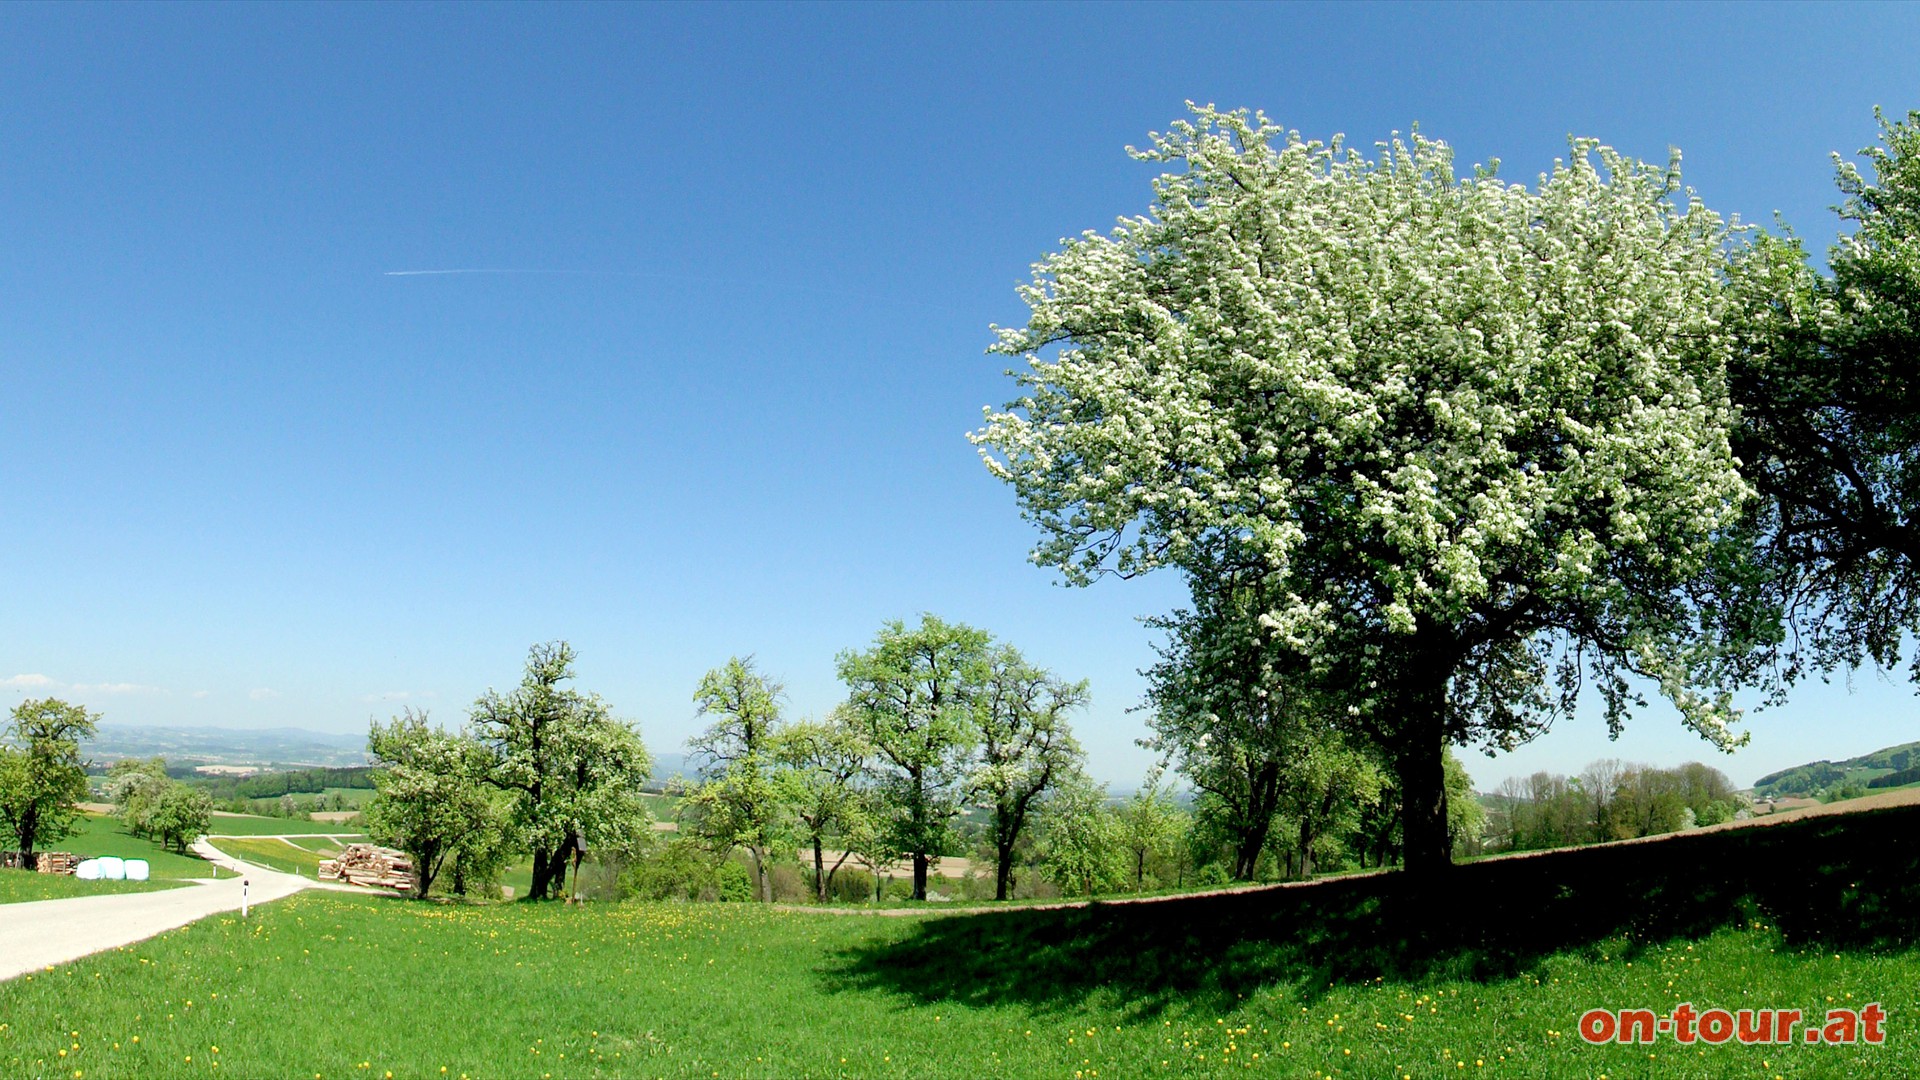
(115,688)
(24,682)
(202,694)
(263,694)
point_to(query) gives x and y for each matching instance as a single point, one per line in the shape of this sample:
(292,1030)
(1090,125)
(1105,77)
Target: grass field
(326,845)
(249,825)
(100,835)
(17,886)
(1365,977)
(274,855)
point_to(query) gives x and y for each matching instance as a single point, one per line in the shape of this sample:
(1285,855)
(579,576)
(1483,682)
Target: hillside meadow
(1358,977)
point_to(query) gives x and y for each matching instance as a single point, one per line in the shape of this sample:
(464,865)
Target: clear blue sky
(251,477)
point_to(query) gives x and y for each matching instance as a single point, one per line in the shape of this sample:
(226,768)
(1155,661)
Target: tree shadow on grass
(1845,882)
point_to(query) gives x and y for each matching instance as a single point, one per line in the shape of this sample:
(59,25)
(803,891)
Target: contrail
(419,273)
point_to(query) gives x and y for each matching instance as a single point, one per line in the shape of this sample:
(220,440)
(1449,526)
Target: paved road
(42,932)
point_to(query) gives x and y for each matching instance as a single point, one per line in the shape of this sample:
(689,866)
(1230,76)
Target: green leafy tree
(180,815)
(1080,838)
(913,695)
(1148,826)
(872,834)
(1025,747)
(484,849)
(819,767)
(571,770)
(42,774)
(1829,396)
(738,803)
(1327,786)
(1459,427)
(430,794)
(1466,818)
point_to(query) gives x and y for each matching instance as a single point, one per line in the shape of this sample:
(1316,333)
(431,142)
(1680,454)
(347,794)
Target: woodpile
(46,862)
(56,862)
(374,867)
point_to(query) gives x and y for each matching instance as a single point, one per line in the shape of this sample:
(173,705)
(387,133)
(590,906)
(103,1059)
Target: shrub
(677,871)
(850,885)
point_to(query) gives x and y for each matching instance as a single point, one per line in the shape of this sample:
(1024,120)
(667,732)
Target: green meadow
(286,857)
(17,886)
(102,835)
(1359,977)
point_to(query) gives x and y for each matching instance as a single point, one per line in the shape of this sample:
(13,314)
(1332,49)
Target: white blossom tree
(1472,436)
(571,770)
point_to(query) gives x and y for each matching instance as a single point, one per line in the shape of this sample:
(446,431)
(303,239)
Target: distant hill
(1865,769)
(275,749)
(265,747)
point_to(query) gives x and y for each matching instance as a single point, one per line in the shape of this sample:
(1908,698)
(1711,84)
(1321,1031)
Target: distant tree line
(1609,800)
(295,782)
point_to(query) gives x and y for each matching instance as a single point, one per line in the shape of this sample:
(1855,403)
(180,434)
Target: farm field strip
(225,824)
(272,852)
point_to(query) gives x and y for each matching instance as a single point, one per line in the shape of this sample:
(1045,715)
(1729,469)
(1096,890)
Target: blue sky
(253,477)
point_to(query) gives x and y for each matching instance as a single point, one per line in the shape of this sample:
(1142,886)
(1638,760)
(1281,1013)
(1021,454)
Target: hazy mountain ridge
(230,746)
(266,747)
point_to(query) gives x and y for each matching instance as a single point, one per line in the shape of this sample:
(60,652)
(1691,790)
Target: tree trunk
(819,871)
(1246,854)
(550,871)
(542,875)
(919,875)
(28,826)
(1426,849)
(422,878)
(1002,871)
(763,886)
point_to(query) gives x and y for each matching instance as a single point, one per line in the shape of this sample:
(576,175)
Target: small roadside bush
(849,885)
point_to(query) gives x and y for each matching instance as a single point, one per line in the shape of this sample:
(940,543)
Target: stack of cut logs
(376,867)
(56,862)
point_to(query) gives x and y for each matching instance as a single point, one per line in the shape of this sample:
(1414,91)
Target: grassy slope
(17,886)
(1354,978)
(274,855)
(101,835)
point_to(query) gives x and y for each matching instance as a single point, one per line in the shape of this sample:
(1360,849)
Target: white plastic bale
(137,870)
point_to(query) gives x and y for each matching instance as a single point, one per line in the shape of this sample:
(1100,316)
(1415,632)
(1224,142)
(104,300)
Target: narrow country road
(39,933)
